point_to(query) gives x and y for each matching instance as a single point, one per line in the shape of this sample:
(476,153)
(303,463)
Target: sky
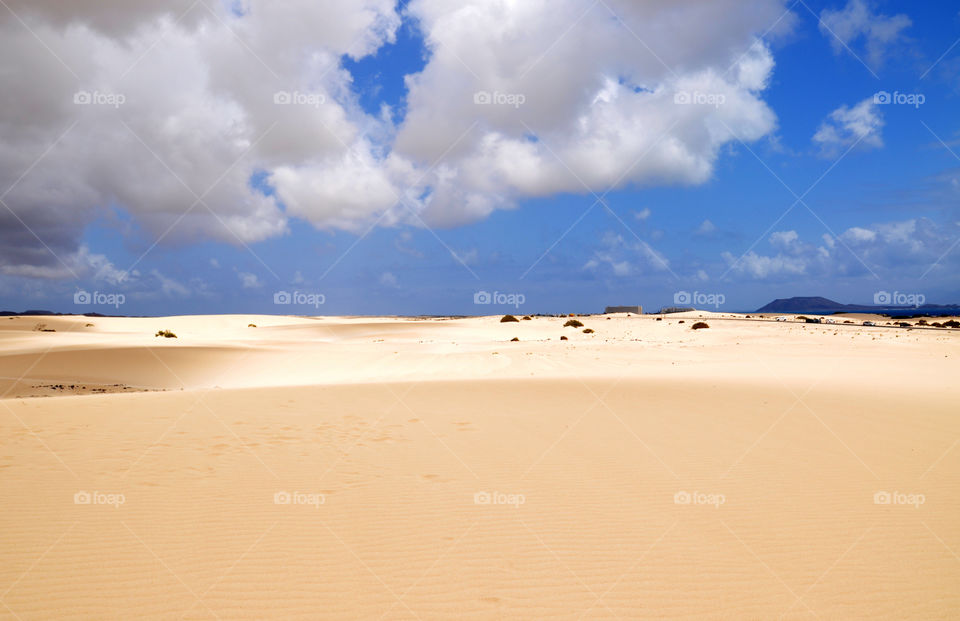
(476,157)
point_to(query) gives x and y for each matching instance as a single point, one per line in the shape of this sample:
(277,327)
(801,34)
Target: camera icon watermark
(897,298)
(96,98)
(699,498)
(296,98)
(699,299)
(98,298)
(899,498)
(696,98)
(500,299)
(84,497)
(496,98)
(884,98)
(299,498)
(498,498)
(299,298)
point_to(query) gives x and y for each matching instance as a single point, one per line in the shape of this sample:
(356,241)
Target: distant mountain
(816,305)
(823,306)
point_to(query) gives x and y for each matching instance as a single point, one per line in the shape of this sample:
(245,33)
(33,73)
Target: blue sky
(879,182)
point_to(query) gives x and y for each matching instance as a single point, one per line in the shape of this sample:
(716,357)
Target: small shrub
(508,319)
(682,321)
(922,322)
(588,331)
(563,338)
(251,325)
(89,325)
(936,324)
(801,318)
(700,325)
(527,318)
(167,334)
(514,340)
(659,318)
(573,323)
(951,324)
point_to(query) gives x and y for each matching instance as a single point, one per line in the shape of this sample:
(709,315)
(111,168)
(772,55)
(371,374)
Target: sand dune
(433,469)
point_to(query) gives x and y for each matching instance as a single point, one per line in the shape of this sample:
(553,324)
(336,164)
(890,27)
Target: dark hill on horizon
(822,306)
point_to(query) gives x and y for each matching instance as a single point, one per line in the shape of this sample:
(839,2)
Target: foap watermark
(699,498)
(696,98)
(99,298)
(299,298)
(296,98)
(497,298)
(883,98)
(499,498)
(84,497)
(898,298)
(299,498)
(697,298)
(496,98)
(899,498)
(96,98)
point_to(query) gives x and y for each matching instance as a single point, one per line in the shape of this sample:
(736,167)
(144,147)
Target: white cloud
(857,24)
(759,266)
(706,228)
(191,122)
(623,258)
(860,125)
(249,281)
(783,239)
(909,247)
(170,287)
(199,117)
(642,215)
(388,279)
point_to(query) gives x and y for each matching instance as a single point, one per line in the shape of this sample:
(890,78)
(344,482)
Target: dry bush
(509,319)
(573,323)
(699,326)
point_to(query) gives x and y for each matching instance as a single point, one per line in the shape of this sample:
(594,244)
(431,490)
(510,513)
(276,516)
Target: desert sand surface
(390,468)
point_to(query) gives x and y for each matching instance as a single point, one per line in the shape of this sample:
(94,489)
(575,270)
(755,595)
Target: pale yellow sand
(389,437)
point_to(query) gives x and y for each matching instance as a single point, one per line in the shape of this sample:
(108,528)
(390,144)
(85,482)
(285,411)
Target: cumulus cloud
(619,257)
(706,228)
(389,279)
(170,110)
(861,125)
(249,281)
(857,27)
(642,215)
(598,108)
(908,246)
(168,113)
